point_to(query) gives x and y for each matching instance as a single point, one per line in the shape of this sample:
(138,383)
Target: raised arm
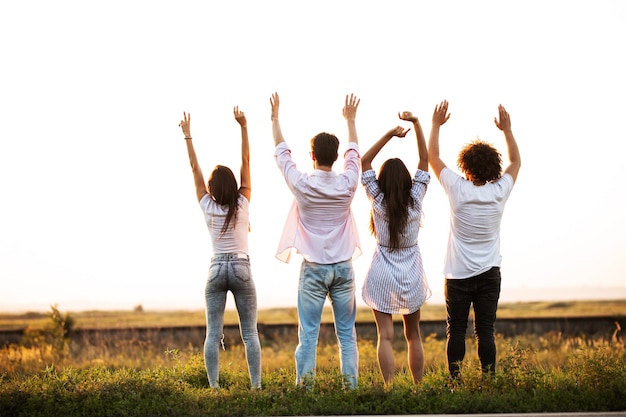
(440,116)
(198,178)
(368,157)
(277,133)
(504,124)
(349,112)
(422,150)
(246,186)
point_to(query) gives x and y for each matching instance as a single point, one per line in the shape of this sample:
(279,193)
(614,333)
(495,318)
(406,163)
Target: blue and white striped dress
(395,282)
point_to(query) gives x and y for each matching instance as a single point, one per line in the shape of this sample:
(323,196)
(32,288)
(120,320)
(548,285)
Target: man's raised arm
(504,124)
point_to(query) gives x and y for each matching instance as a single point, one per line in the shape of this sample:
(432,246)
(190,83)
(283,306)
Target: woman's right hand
(185,125)
(398,131)
(240,117)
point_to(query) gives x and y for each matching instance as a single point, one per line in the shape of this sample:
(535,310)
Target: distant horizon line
(508,296)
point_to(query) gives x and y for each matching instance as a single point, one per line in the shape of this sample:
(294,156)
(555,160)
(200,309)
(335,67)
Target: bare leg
(384,324)
(415,347)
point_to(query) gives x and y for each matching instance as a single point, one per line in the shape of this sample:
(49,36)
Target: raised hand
(239,116)
(185,125)
(275,103)
(398,131)
(440,115)
(505,120)
(349,109)
(408,116)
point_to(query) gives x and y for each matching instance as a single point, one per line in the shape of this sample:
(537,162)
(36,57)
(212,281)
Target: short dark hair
(479,160)
(324,146)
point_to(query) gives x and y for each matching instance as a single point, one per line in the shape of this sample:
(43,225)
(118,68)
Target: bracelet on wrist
(187,137)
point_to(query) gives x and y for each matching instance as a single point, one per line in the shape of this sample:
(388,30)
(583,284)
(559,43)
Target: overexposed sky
(98,206)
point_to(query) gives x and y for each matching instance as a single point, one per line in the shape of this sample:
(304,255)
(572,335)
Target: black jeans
(483,291)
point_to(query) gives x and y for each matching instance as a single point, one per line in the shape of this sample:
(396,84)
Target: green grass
(535,374)
(591,380)
(49,375)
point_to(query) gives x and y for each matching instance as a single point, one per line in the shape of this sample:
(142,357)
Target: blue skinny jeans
(318,281)
(231,272)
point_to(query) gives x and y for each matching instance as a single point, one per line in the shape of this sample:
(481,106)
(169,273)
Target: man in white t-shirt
(472,263)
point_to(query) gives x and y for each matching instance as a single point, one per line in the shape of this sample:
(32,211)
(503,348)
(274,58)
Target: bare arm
(504,124)
(366,160)
(440,116)
(349,112)
(422,150)
(276,131)
(246,186)
(198,178)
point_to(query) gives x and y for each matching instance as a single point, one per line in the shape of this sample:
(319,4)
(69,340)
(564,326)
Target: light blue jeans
(318,281)
(231,272)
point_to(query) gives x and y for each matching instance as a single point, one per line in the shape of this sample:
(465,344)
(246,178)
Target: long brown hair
(223,189)
(395,182)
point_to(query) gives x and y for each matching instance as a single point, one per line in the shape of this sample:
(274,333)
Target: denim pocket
(241,270)
(214,271)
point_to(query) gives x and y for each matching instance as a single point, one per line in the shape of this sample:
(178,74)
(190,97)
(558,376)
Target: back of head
(223,189)
(395,182)
(480,161)
(324,146)
(223,185)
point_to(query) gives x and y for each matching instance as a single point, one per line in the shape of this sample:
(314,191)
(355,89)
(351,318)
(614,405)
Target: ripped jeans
(231,272)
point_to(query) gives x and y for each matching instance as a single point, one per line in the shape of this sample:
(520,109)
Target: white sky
(98,208)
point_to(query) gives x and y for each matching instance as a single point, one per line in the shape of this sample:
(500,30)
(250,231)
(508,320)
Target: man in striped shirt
(321,227)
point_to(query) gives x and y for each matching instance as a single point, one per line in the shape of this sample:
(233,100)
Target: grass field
(48,374)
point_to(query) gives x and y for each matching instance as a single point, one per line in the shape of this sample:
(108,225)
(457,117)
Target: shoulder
(242,199)
(449,176)
(506,182)
(206,201)
(507,178)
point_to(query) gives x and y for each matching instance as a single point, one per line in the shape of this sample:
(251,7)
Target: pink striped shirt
(320,224)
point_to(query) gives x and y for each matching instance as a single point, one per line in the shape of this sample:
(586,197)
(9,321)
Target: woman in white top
(225,208)
(395,282)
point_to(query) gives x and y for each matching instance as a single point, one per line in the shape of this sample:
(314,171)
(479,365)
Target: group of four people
(321,227)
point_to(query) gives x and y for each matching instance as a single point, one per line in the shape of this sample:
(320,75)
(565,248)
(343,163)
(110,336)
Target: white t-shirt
(475,215)
(233,240)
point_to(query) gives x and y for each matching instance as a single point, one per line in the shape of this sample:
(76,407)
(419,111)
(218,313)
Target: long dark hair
(223,189)
(395,182)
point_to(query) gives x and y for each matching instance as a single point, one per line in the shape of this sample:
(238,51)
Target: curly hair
(480,161)
(395,182)
(223,189)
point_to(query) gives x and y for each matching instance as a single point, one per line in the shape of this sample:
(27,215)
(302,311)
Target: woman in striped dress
(395,282)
